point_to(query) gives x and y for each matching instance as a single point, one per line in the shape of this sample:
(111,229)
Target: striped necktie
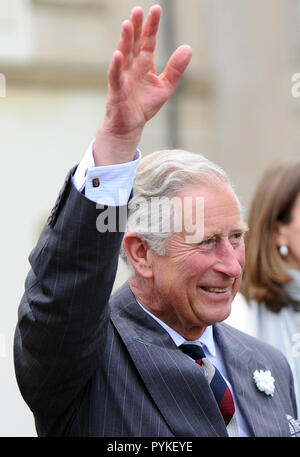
(217,384)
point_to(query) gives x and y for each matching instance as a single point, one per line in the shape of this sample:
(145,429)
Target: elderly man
(153,359)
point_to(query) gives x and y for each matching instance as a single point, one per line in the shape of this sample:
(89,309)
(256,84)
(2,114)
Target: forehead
(218,205)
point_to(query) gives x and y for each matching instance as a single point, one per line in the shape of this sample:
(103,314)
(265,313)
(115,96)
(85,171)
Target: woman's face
(289,235)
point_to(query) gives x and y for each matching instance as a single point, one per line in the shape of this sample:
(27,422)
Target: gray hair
(161,176)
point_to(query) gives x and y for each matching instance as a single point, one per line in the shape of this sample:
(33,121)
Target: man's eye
(236,238)
(207,244)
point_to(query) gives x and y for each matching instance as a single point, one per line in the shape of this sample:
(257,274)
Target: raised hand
(135,92)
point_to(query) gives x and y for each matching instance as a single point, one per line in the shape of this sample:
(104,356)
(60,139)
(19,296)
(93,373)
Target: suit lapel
(169,376)
(258,409)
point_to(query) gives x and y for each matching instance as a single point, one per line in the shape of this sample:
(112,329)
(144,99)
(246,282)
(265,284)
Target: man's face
(195,281)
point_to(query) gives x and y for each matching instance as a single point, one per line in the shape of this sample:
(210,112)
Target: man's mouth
(217,290)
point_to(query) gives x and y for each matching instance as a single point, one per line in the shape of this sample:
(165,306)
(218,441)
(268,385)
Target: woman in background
(269,306)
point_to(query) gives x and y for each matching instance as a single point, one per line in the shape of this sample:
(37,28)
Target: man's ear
(139,254)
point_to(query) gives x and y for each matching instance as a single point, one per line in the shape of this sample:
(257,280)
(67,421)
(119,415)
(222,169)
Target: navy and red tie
(216,381)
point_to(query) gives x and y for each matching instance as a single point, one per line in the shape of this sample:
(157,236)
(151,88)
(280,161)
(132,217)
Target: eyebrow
(239,228)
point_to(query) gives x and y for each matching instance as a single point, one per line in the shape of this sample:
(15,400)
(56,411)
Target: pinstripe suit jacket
(91,365)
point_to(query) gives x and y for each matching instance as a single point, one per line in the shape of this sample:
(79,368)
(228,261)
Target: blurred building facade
(234,105)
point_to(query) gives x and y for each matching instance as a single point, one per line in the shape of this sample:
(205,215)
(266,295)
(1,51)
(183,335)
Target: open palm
(136,92)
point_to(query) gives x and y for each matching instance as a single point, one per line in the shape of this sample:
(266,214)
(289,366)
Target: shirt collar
(206,339)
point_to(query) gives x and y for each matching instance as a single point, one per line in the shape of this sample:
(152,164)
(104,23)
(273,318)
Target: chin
(221,314)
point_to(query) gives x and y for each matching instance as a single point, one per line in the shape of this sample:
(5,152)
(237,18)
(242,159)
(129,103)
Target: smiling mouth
(216,290)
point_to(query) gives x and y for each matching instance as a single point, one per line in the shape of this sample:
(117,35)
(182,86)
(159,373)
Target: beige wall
(234,105)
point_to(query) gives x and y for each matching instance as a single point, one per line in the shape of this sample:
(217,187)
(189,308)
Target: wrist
(110,148)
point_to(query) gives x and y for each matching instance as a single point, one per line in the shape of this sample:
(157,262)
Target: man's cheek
(242,256)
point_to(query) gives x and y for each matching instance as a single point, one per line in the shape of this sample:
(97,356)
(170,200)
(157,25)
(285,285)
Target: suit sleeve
(64,311)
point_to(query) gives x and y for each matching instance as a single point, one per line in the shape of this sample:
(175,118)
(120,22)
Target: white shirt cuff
(107,185)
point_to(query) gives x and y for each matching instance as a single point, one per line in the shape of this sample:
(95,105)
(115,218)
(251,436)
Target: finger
(137,22)
(176,65)
(115,74)
(150,28)
(126,43)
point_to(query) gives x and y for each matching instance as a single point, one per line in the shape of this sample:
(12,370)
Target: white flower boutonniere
(264,381)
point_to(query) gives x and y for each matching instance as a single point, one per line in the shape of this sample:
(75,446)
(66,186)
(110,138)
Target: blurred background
(235,105)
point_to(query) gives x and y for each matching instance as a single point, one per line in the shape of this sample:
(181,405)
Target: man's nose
(229,260)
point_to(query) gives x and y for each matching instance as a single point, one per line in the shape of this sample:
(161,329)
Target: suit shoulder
(253,343)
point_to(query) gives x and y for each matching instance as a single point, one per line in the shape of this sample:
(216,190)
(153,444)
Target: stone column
(250,62)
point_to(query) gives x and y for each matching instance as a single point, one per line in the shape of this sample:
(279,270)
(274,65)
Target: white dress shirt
(112,179)
(115,181)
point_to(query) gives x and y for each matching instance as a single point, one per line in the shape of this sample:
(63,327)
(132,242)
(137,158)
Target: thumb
(177,64)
